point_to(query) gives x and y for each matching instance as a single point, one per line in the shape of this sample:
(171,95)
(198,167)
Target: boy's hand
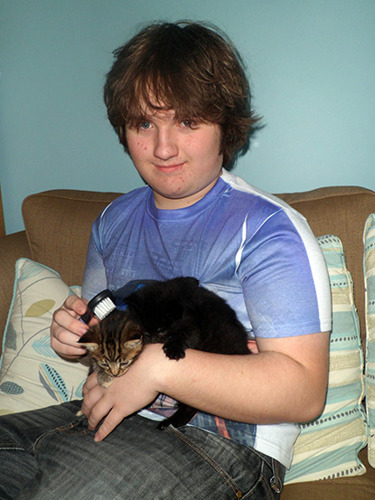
(126,395)
(67,329)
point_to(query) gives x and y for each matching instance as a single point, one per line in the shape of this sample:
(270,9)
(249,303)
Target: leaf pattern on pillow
(42,345)
(11,388)
(53,383)
(40,307)
(78,391)
(11,338)
(32,375)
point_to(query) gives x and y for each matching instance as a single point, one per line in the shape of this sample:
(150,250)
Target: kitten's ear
(88,341)
(134,343)
(90,346)
(190,282)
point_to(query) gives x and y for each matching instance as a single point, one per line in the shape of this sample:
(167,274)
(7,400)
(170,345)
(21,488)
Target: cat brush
(100,306)
(105,302)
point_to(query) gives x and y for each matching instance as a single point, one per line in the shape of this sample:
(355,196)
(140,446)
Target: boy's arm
(285,382)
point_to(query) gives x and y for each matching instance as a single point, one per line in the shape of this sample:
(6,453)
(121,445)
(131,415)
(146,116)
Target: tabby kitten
(113,345)
(177,313)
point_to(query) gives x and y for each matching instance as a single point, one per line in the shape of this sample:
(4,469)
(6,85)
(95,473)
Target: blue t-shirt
(245,245)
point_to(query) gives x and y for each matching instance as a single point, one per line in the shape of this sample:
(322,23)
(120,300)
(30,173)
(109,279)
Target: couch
(58,224)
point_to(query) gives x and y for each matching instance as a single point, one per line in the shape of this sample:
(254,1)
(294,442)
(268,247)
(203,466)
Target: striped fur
(113,344)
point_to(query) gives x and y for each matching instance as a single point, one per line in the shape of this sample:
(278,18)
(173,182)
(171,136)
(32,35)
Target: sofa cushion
(344,488)
(32,375)
(328,446)
(58,225)
(369,273)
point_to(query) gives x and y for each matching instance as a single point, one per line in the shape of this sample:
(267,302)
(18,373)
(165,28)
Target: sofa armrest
(12,247)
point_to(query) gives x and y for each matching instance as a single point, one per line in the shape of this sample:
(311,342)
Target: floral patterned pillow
(32,375)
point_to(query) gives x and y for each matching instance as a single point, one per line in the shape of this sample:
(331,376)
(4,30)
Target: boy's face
(180,161)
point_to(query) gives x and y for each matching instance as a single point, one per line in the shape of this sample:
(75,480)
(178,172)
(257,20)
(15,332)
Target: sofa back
(58,226)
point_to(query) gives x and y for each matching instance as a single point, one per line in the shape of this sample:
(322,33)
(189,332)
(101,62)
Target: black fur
(180,314)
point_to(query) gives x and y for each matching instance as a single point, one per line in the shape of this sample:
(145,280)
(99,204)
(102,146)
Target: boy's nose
(165,146)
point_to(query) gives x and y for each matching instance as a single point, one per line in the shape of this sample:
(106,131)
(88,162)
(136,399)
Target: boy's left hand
(126,395)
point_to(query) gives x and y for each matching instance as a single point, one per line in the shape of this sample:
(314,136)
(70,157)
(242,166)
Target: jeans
(50,453)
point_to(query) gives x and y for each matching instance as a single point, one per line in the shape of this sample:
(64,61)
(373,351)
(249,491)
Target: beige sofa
(57,231)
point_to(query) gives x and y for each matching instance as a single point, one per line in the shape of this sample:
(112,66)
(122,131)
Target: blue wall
(311,64)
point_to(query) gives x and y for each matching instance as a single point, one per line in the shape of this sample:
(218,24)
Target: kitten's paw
(106,383)
(105,380)
(173,351)
(162,425)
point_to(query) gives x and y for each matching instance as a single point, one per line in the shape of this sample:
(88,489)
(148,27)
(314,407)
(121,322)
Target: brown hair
(189,67)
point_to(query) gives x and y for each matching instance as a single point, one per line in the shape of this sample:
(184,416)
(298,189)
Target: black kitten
(177,313)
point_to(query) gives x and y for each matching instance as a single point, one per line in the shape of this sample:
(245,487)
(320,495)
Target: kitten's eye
(124,364)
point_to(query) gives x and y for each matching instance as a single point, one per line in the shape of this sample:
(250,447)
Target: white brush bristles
(105,307)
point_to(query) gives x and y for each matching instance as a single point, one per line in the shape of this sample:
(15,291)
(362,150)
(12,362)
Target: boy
(179,101)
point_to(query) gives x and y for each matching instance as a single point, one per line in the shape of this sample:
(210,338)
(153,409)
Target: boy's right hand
(67,329)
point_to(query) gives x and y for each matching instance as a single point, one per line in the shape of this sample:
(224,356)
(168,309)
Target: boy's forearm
(266,388)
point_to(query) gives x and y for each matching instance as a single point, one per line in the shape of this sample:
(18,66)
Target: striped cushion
(369,273)
(328,446)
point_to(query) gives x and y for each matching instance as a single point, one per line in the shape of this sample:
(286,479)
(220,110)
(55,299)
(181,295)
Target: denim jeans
(50,453)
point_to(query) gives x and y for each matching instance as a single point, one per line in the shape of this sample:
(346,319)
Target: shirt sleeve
(94,278)
(285,279)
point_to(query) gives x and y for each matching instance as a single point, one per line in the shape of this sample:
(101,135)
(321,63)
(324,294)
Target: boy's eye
(144,125)
(189,123)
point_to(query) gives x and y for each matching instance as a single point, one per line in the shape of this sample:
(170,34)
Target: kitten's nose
(115,369)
